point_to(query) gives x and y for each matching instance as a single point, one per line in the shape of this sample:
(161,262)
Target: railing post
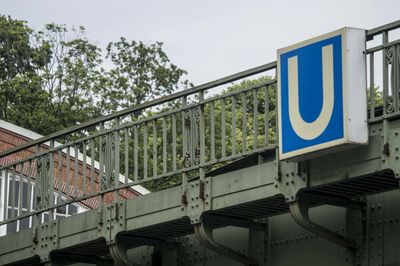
(387,102)
(202,170)
(101,176)
(202,141)
(50,189)
(371,87)
(185,153)
(36,218)
(116,156)
(396,75)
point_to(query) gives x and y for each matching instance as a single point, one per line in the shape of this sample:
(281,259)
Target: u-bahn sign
(322,100)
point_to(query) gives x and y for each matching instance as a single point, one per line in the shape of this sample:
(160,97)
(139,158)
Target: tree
(19,62)
(140,73)
(55,78)
(70,77)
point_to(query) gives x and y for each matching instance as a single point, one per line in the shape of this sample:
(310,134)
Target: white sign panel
(322,101)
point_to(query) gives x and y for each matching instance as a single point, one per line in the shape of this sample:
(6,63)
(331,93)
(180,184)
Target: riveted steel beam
(300,213)
(221,220)
(204,233)
(291,177)
(66,258)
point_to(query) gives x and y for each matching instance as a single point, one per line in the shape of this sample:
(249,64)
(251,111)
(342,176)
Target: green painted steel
(235,204)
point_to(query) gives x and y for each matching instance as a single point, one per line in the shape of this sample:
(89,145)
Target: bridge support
(119,254)
(299,210)
(204,233)
(122,243)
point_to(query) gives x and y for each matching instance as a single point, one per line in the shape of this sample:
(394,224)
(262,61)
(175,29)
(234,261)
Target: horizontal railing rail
(145,105)
(167,140)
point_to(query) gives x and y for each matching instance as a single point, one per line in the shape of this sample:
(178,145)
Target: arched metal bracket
(204,233)
(122,243)
(300,213)
(119,253)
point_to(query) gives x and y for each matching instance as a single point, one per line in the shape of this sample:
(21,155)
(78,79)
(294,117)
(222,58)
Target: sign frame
(354,89)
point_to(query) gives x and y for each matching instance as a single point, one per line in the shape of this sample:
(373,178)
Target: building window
(14,203)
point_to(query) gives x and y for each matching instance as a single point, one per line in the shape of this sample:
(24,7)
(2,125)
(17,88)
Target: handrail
(378,30)
(142,106)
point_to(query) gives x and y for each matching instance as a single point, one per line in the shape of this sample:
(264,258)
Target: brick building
(87,181)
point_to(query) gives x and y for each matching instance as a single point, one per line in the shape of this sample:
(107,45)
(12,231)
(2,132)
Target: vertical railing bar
(6,196)
(135,153)
(92,155)
(202,130)
(145,150)
(393,82)
(155,147)
(174,142)
(223,144)
(212,129)
(107,160)
(126,154)
(76,170)
(164,125)
(202,138)
(184,131)
(29,188)
(395,75)
(255,121)
(59,173)
(244,123)
(51,181)
(266,115)
(67,173)
(43,182)
(116,159)
(102,151)
(21,185)
(184,149)
(84,167)
(36,219)
(372,86)
(233,124)
(101,158)
(13,192)
(385,73)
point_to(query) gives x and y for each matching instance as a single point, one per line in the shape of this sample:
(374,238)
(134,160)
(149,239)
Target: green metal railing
(177,137)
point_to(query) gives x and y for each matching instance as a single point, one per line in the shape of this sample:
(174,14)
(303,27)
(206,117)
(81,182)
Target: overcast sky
(209,39)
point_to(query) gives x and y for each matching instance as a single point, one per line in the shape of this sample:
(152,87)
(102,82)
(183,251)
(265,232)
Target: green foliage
(140,73)
(19,62)
(55,78)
